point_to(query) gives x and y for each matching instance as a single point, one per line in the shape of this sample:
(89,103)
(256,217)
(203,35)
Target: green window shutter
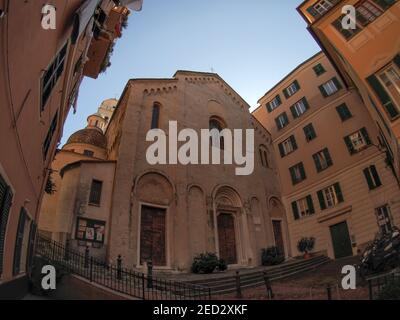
(295,211)
(285,93)
(302,171)
(306,103)
(5,206)
(31,246)
(278,124)
(396,60)
(18,242)
(294,113)
(296,83)
(281,150)
(323,91)
(328,157)
(278,97)
(311,10)
(383,96)
(337,83)
(268,105)
(343,112)
(321,200)
(365,135)
(292,175)
(309,132)
(317,163)
(376,176)
(293,142)
(310,204)
(338,191)
(369,179)
(349,145)
(286,118)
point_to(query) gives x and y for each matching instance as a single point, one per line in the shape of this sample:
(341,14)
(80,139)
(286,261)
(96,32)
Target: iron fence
(116,277)
(376,284)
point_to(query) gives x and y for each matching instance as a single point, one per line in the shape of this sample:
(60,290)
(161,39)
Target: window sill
(94,205)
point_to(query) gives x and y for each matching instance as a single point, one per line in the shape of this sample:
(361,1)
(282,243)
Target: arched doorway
(227,238)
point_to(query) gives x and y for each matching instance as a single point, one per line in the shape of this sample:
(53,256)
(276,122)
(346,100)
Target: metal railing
(376,284)
(115,277)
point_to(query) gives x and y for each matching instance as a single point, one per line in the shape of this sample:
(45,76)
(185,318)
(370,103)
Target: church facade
(113,200)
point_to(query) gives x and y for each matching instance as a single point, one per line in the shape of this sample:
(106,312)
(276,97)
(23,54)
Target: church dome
(89,136)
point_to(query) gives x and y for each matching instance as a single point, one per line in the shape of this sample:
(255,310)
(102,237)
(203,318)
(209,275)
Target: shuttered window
(95,192)
(297,173)
(322,160)
(344,112)
(372,177)
(331,87)
(31,246)
(319,69)
(357,141)
(19,242)
(347,33)
(282,121)
(383,96)
(303,207)
(309,132)
(330,196)
(292,89)
(274,103)
(5,206)
(49,137)
(299,107)
(287,146)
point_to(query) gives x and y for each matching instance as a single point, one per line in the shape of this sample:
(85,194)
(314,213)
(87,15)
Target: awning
(82,18)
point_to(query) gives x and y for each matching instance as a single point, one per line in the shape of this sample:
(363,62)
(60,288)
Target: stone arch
(154,187)
(197,224)
(227,196)
(276,208)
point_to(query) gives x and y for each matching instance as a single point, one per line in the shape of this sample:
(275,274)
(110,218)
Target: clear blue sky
(251,44)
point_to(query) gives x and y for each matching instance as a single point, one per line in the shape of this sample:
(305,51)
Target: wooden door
(153,236)
(226,237)
(277,226)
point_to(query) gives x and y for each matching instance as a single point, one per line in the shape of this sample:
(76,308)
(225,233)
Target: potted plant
(271,256)
(305,245)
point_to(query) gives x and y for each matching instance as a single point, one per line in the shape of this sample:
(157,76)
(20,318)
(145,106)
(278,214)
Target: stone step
(253,279)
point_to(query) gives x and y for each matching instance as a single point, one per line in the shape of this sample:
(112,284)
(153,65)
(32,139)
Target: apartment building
(367,56)
(40,73)
(336,183)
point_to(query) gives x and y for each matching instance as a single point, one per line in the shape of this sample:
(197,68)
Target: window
(319,69)
(372,177)
(357,141)
(49,136)
(346,33)
(330,196)
(275,103)
(51,75)
(95,192)
(292,89)
(287,146)
(88,153)
(21,243)
(386,85)
(155,116)
(6,197)
(367,12)
(323,6)
(282,121)
(309,132)
(322,160)
(217,135)
(329,88)
(303,207)
(90,230)
(384,219)
(297,173)
(344,112)
(299,108)
(264,156)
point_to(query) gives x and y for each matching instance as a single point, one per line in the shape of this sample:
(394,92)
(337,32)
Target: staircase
(250,279)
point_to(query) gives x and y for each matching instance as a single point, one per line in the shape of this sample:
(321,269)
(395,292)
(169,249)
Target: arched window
(155,119)
(264,156)
(217,124)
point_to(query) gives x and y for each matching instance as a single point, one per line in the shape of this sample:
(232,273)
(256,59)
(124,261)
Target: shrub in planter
(391,291)
(222,266)
(305,245)
(205,263)
(271,256)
